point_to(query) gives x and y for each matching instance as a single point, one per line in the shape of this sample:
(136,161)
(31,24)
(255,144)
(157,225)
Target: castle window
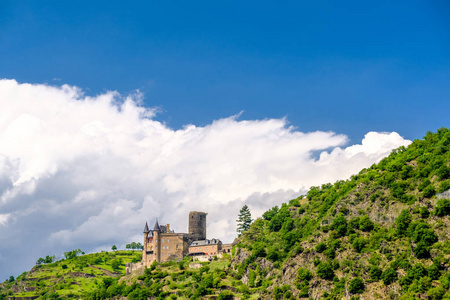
(162,240)
(163,247)
(167,247)
(167,240)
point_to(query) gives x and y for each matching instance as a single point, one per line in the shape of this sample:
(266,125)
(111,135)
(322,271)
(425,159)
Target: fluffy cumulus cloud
(87,172)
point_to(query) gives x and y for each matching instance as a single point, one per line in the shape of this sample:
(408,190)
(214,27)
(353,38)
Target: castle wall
(172,246)
(197,225)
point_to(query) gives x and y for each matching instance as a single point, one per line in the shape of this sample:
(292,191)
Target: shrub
(365,224)
(433,272)
(320,247)
(340,225)
(402,222)
(424,213)
(359,243)
(389,276)
(325,270)
(442,208)
(356,286)
(375,272)
(421,250)
(225,295)
(304,274)
(436,293)
(429,191)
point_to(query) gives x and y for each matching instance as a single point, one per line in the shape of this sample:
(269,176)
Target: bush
(389,276)
(424,213)
(320,247)
(225,295)
(436,293)
(359,243)
(375,272)
(429,191)
(421,250)
(304,274)
(365,224)
(325,271)
(340,225)
(402,222)
(356,286)
(442,208)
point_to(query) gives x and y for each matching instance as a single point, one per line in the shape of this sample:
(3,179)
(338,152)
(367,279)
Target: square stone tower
(197,225)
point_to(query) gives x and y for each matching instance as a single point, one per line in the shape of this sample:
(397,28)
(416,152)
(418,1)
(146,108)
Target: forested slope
(381,234)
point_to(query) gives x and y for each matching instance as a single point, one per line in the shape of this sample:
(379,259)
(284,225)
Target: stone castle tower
(197,225)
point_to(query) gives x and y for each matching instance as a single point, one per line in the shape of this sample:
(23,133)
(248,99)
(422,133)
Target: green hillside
(69,278)
(382,234)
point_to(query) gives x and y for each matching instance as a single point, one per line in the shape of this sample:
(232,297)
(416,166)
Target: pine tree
(244,219)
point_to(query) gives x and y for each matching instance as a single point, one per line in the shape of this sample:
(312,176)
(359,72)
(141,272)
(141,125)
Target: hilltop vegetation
(68,278)
(382,234)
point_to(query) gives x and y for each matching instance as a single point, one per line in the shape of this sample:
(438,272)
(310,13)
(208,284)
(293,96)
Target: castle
(162,244)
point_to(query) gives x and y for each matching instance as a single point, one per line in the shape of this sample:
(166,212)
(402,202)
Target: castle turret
(144,251)
(157,242)
(197,225)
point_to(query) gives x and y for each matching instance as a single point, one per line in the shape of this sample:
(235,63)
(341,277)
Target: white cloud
(87,172)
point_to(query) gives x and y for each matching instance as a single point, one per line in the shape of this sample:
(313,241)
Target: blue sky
(352,79)
(348,67)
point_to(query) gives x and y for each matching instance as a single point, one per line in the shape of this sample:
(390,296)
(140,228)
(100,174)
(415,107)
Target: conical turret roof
(146,230)
(156,225)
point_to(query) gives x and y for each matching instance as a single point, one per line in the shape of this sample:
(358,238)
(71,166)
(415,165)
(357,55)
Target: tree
(40,261)
(389,276)
(325,270)
(115,264)
(244,219)
(72,254)
(356,286)
(114,248)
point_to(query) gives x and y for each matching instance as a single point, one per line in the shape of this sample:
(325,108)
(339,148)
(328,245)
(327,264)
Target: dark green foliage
(320,247)
(359,243)
(244,219)
(402,222)
(442,208)
(134,246)
(258,249)
(225,295)
(421,250)
(421,232)
(433,272)
(429,191)
(325,270)
(375,273)
(365,224)
(304,274)
(340,225)
(356,286)
(424,213)
(72,254)
(268,215)
(389,276)
(279,218)
(273,254)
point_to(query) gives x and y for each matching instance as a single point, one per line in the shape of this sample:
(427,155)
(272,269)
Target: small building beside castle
(205,247)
